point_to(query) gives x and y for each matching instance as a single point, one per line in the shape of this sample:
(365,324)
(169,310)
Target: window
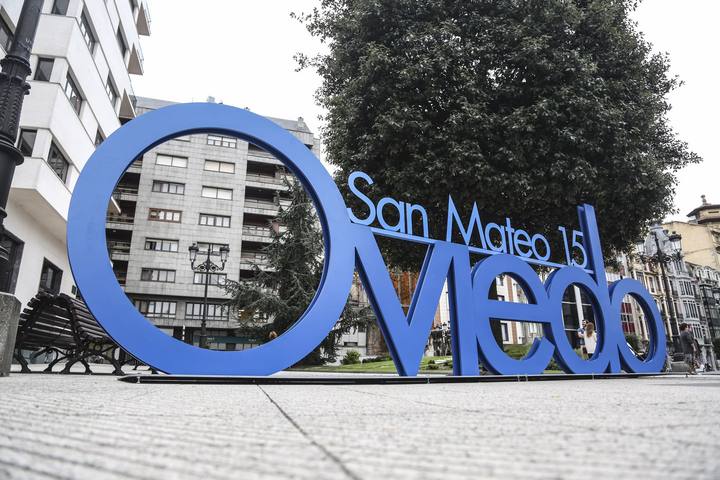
(157,275)
(168,187)
(99,137)
(214,220)
(161,245)
(8,276)
(73,93)
(87,33)
(60,7)
(121,42)
(26,141)
(57,162)
(163,215)
(214,311)
(6,35)
(505,332)
(111,91)
(156,308)
(43,70)
(222,167)
(50,278)
(215,279)
(219,193)
(220,141)
(214,247)
(171,161)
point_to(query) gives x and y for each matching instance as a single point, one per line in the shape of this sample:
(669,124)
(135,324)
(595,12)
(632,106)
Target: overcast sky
(241,53)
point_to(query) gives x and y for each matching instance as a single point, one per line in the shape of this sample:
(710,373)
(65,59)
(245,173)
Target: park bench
(63,325)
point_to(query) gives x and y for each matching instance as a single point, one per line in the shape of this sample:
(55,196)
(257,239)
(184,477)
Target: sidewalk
(90,427)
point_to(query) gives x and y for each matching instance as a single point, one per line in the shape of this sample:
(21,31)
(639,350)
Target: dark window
(44,69)
(60,7)
(161,245)
(50,278)
(163,215)
(57,162)
(215,311)
(73,93)
(121,41)
(8,276)
(156,308)
(217,279)
(99,138)
(26,142)
(214,220)
(111,91)
(168,187)
(157,275)
(87,32)
(6,35)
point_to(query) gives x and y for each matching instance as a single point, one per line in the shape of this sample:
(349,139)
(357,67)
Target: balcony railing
(258,258)
(257,231)
(255,177)
(127,189)
(120,219)
(122,248)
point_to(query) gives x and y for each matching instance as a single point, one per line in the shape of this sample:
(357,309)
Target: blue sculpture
(350,243)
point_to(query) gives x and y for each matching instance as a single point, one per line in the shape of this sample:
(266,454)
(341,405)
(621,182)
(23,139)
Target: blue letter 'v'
(406,336)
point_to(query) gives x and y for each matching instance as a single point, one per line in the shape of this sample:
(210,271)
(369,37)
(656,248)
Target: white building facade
(81,91)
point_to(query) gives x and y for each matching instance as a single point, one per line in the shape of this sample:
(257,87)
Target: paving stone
(89,427)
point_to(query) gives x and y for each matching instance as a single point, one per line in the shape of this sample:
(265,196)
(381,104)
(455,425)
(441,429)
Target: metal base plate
(360,379)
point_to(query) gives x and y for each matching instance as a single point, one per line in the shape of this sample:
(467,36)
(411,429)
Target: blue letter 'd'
(347,246)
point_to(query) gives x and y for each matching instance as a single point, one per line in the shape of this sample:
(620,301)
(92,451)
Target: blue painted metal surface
(348,246)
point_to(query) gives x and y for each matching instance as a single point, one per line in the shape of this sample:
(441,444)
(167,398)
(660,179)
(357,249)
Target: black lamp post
(207,267)
(660,258)
(13,88)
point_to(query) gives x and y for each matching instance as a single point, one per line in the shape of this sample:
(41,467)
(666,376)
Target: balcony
(119,250)
(249,260)
(265,181)
(257,233)
(126,192)
(136,166)
(120,222)
(261,206)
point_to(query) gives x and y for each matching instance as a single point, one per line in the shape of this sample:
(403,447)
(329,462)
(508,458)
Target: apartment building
(207,189)
(81,91)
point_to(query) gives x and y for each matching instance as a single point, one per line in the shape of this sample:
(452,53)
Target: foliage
(633,341)
(381,358)
(282,292)
(351,357)
(529,108)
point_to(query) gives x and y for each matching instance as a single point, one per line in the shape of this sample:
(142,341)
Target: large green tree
(528,107)
(285,282)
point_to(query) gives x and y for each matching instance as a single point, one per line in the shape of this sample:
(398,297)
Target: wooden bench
(63,325)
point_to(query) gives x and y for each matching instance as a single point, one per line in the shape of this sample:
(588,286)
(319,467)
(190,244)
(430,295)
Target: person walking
(589,337)
(687,342)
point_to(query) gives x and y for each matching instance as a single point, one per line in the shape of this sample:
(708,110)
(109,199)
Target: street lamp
(13,88)
(660,258)
(206,267)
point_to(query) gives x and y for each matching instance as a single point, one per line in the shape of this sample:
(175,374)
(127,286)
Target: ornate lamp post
(13,88)
(656,255)
(207,267)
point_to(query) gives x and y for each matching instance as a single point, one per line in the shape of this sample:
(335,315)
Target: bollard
(9,316)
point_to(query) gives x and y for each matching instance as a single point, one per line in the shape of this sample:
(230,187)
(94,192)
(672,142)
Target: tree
(283,286)
(529,108)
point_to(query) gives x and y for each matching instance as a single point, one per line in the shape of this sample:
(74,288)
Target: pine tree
(284,285)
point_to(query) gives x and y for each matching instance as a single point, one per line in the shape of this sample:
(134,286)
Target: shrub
(381,358)
(433,366)
(352,357)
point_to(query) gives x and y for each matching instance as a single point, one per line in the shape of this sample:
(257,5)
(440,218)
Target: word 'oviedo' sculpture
(349,244)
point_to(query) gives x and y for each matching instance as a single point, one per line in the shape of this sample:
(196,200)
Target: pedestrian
(687,342)
(589,338)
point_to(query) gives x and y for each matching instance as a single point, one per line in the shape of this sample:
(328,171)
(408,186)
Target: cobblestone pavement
(95,427)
